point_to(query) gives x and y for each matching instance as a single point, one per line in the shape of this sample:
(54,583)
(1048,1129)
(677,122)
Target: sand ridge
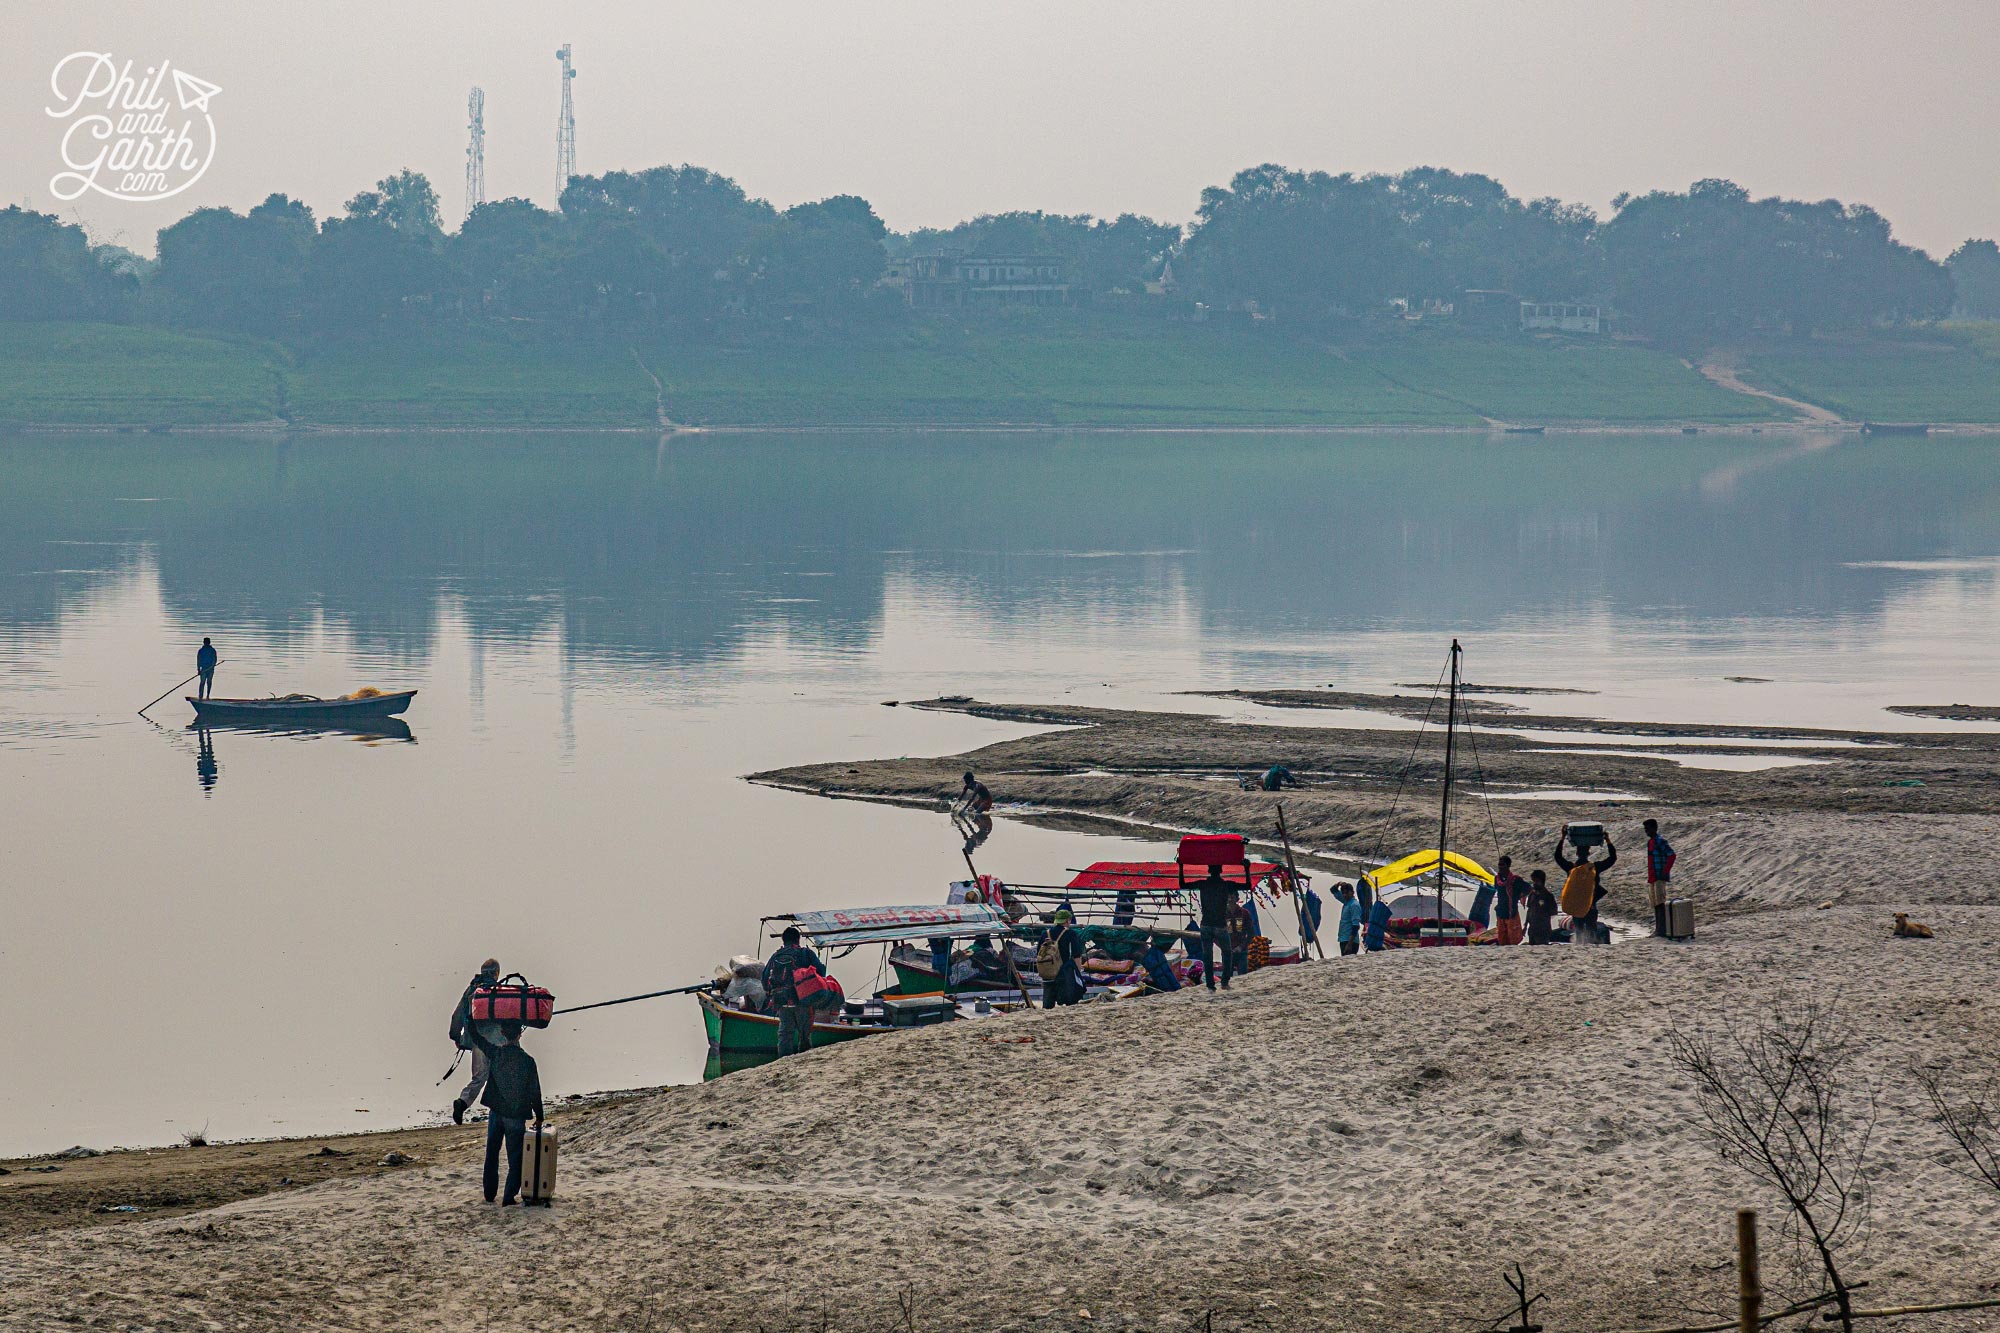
(1882,818)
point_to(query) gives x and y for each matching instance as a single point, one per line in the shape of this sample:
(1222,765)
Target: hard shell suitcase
(538,1165)
(1680,918)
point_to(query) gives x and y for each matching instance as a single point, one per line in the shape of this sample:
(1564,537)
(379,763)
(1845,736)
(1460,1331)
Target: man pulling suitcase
(513,1093)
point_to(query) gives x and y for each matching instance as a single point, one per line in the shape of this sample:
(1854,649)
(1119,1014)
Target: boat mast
(1444,806)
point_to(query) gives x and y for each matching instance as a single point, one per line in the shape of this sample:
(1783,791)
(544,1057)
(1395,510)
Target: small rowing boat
(281,709)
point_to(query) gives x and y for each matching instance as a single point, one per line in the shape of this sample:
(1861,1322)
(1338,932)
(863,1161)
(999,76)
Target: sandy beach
(1355,1144)
(1345,1145)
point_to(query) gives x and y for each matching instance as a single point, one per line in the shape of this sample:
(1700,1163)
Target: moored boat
(736,1030)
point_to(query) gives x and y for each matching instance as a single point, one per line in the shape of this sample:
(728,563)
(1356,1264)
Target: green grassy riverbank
(1054,369)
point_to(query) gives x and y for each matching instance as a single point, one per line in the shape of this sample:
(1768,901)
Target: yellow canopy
(1426,863)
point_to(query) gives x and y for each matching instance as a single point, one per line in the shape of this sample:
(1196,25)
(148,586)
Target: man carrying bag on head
(461,1036)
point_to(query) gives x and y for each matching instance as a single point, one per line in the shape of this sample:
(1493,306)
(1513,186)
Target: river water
(265,934)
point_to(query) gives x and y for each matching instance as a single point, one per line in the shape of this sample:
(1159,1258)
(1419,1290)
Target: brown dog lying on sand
(1911,930)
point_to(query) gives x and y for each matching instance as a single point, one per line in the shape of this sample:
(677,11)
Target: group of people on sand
(1523,911)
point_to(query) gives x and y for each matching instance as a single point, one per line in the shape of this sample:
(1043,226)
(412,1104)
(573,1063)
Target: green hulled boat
(733,1032)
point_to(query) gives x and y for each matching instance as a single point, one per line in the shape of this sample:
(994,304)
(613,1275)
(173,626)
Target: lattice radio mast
(565,126)
(475,149)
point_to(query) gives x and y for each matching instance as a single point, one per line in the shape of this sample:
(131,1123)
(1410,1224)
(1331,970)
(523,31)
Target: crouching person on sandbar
(513,1093)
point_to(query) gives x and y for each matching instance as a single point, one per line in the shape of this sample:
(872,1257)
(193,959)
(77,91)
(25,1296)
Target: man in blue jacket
(1348,933)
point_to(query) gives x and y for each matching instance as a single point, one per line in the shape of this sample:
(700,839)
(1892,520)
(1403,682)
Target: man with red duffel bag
(461,1028)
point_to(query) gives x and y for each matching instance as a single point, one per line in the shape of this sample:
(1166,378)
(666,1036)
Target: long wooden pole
(1749,1282)
(1298,894)
(169,690)
(1444,806)
(1893,1311)
(1013,968)
(649,995)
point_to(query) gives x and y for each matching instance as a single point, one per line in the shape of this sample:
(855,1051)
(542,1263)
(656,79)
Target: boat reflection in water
(368,731)
(728,1062)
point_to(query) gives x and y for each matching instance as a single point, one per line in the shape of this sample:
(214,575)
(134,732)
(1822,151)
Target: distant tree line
(685,250)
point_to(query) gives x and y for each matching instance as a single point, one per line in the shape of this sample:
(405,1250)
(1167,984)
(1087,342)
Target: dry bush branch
(1968,1111)
(1780,1098)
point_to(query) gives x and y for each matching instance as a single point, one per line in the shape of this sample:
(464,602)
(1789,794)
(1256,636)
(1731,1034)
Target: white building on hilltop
(1560,317)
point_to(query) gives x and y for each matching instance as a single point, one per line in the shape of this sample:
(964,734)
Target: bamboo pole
(1749,1282)
(170,689)
(1763,1321)
(1298,893)
(1893,1311)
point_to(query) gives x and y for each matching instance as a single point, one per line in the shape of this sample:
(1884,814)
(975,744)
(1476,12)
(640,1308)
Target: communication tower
(475,150)
(565,126)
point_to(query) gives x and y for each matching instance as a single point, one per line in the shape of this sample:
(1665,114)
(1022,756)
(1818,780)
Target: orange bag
(1579,893)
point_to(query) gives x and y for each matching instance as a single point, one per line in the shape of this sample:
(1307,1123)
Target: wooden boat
(1895,428)
(281,709)
(736,1032)
(917,974)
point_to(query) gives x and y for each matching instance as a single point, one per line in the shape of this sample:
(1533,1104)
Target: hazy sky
(938,111)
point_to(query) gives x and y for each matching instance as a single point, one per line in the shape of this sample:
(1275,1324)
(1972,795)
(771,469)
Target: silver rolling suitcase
(538,1165)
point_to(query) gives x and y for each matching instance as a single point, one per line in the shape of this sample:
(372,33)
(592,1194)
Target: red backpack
(814,987)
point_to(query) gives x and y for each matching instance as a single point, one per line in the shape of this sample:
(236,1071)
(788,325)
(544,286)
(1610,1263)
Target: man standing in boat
(794,1016)
(204,666)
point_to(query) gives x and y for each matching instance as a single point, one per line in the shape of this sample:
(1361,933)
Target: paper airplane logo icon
(194,93)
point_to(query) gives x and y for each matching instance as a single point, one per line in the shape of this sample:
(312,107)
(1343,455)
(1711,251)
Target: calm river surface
(267,933)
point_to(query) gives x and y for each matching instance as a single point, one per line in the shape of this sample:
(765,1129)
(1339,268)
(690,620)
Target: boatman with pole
(204,667)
